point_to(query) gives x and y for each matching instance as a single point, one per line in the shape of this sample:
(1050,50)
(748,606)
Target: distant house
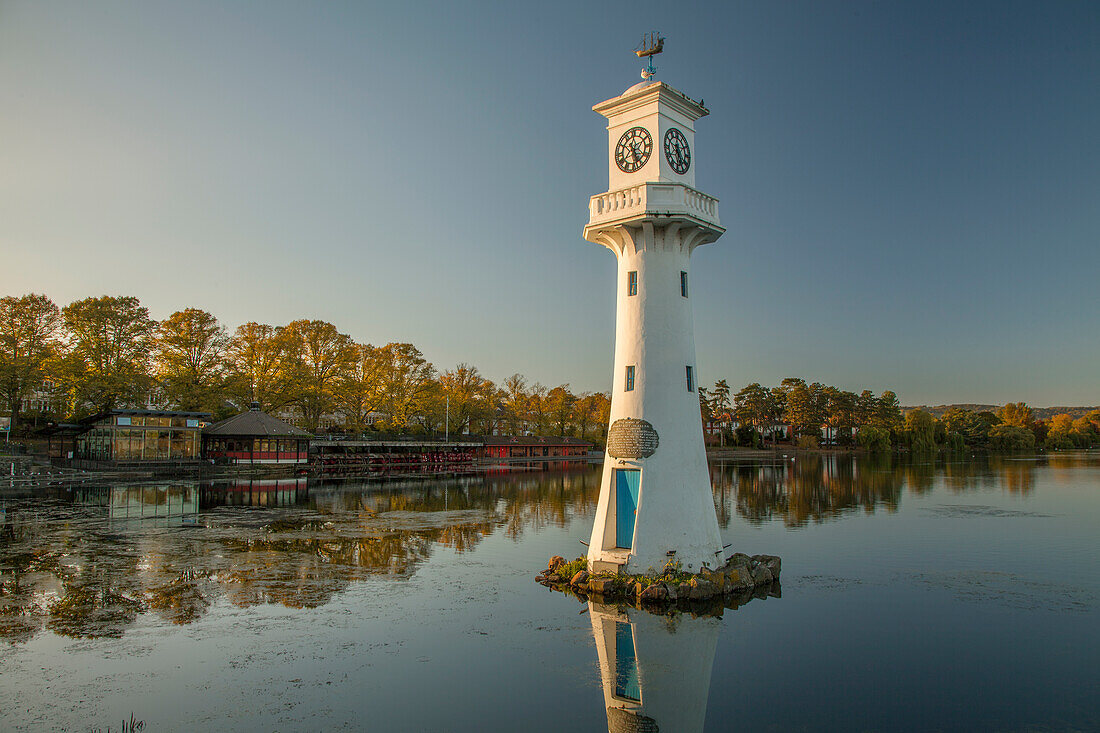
(256,437)
(534,446)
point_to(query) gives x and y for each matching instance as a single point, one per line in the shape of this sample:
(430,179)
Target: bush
(569,569)
(806,442)
(1011,438)
(747,435)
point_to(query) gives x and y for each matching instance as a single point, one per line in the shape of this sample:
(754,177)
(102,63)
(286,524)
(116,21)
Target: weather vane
(650,46)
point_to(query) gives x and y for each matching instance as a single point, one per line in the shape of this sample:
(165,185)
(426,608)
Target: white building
(655,499)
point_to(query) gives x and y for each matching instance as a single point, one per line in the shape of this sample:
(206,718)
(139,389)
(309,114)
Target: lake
(937,594)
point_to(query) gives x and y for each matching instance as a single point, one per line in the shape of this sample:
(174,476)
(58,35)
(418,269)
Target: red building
(256,437)
(534,446)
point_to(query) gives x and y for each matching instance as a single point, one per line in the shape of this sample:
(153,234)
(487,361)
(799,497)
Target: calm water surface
(957,595)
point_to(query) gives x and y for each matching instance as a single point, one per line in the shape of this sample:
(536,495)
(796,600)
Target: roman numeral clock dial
(633,149)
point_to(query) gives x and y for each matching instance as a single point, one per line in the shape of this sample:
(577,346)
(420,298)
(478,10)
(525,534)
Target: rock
(774,563)
(601,586)
(684,591)
(739,558)
(655,592)
(701,589)
(670,591)
(553,578)
(580,578)
(555,562)
(761,575)
(739,578)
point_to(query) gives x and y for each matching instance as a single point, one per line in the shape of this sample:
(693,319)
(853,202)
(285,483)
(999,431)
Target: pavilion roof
(258,424)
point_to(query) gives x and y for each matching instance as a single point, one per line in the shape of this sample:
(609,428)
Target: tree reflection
(811,488)
(86,563)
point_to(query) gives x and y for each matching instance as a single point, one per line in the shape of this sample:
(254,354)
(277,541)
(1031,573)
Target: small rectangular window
(632,282)
(691,379)
(629,378)
(124,421)
(683,283)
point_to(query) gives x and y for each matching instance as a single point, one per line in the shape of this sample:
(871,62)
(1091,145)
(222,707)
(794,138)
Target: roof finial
(650,46)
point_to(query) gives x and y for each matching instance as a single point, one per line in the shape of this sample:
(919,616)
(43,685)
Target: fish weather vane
(650,46)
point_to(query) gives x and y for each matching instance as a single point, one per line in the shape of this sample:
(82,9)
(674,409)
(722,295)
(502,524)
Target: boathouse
(534,446)
(134,435)
(255,437)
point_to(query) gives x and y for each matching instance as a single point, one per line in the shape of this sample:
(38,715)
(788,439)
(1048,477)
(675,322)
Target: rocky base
(741,579)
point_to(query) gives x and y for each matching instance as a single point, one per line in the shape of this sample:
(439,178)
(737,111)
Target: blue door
(626,505)
(626,663)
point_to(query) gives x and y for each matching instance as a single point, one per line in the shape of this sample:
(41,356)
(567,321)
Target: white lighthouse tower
(655,496)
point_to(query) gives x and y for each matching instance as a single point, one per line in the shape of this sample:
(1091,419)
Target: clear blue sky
(911,191)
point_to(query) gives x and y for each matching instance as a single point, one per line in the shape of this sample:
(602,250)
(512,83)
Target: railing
(663,198)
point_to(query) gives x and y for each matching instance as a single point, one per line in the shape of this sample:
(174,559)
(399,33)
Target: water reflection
(86,562)
(655,670)
(817,488)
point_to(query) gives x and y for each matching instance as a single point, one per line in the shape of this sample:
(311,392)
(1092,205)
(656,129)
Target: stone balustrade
(657,199)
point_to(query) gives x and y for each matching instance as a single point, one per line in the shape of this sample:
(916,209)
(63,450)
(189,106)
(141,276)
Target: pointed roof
(257,423)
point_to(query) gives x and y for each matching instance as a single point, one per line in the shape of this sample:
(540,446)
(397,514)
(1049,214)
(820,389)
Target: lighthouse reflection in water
(655,669)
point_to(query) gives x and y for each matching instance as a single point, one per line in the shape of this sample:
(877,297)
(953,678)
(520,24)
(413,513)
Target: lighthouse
(655,502)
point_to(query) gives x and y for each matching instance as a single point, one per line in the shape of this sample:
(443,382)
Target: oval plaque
(630,437)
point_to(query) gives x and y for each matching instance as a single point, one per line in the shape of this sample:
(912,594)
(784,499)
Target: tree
(538,409)
(359,390)
(320,357)
(1017,414)
(1011,438)
(108,364)
(920,427)
(865,408)
(887,411)
(560,405)
(189,349)
(801,409)
(28,330)
(258,367)
(588,411)
(873,439)
(406,380)
(515,403)
(720,408)
(754,406)
(468,393)
(1061,433)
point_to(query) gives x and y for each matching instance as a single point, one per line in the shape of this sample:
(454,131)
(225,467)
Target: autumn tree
(515,402)
(1017,414)
(28,328)
(560,406)
(189,358)
(468,394)
(753,405)
(538,409)
(258,367)
(319,357)
(359,389)
(108,363)
(406,379)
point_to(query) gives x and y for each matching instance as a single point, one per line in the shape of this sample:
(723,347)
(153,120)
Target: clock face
(633,149)
(677,151)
